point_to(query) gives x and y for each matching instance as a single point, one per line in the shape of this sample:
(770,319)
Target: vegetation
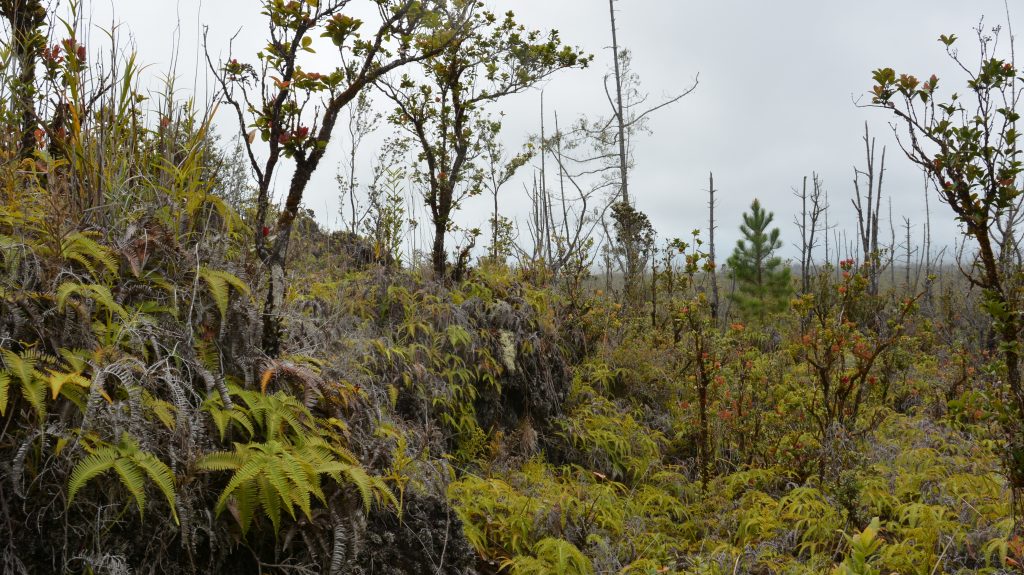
(763,283)
(178,396)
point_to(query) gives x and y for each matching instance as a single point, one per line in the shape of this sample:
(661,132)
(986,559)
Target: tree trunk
(25,17)
(705,434)
(439,258)
(711,248)
(630,248)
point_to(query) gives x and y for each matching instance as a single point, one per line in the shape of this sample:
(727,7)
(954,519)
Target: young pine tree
(763,284)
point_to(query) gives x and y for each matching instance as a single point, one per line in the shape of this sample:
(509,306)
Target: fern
(132,466)
(22,368)
(276,476)
(5,383)
(96,292)
(224,418)
(57,380)
(283,472)
(551,557)
(80,248)
(220,283)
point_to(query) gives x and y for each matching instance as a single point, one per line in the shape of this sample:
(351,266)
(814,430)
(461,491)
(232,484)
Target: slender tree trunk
(494,229)
(619,108)
(277,256)
(804,243)
(620,119)
(703,383)
(711,248)
(827,256)
(906,225)
(892,247)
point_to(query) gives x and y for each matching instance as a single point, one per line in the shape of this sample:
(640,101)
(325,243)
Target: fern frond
(246,472)
(164,411)
(159,474)
(271,502)
(5,383)
(246,501)
(358,476)
(80,248)
(221,461)
(23,368)
(274,471)
(96,292)
(133,480)
(219,283)
(96,463)
(57,380)
(132,465)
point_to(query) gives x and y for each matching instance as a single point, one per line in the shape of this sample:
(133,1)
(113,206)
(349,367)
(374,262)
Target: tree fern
(132,466)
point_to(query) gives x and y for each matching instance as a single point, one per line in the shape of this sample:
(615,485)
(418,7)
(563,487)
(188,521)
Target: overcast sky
(775,102)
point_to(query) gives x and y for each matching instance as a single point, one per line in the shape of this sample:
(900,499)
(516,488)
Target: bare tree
(499,169)
(867,204)
(908,250)
(362,121)
(629,112)
(812,208)
(561,227)
(892,246)
(711,248)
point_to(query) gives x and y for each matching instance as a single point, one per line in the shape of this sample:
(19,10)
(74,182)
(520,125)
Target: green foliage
(550,555)
(443,115)
(280,467)
(864,547)
(273,476)
(509,419)
(220,283)
(132,466)
(969,148)
(763,283)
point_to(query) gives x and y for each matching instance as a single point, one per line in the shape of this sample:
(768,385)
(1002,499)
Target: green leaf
(5,382)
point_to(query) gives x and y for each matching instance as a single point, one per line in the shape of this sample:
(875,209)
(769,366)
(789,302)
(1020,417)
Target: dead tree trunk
(711,248)
(620,120)
(812,208)
(867,206)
